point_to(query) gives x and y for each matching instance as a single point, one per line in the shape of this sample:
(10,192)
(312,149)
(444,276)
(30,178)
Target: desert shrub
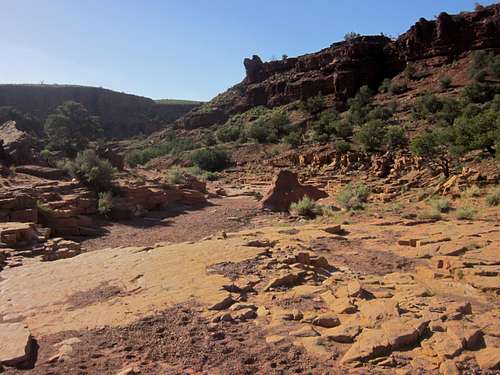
(342,146)
(441,110)
(293,139)
(70,128)
(261,132)
(445,82)
(209,140)
(493,198)
(483,64)
(92,171)
(472,192)
(210,159)
(200,173)
(440,205)
(314,104)
(410,72)
(170,146)
(465,213)
(105,202)
(371,135)
(359,105)
(323,127)
(478,93)
(353,197)
(306,207)
(478,131)
(45,154)
(395,138)
(433,146)
(385,86)
(380,113)
(43,208)
(429,215)
(176,176)
(398,88)
(228,133)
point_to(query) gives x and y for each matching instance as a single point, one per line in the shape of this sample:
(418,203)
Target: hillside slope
(341,69)
(122,115)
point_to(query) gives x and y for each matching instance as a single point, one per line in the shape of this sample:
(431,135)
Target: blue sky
(187,49)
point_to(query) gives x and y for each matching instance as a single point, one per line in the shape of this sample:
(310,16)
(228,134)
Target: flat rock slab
(15,343)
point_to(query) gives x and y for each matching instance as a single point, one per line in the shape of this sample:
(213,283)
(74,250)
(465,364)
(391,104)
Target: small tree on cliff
(434,147)
(70,128)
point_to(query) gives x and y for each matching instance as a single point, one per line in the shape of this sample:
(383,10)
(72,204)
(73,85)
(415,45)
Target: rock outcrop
(16,145)
(286,189)
(341,69)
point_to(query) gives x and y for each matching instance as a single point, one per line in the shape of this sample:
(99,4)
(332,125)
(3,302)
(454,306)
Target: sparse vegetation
(171,146)
(314,104)
(493,198)
(441,205)
(307,208)
(410,72)
(175,176)
(465,213)
(429,215)
(92,171)
(352,197)
(398,88)
(210,159)
(445,82)
(395,138)
(228,133)
(433,146)
(371,135)
(105,202)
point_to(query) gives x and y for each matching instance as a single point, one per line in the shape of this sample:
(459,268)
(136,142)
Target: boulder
(16,144)
(286,189)
(15,343)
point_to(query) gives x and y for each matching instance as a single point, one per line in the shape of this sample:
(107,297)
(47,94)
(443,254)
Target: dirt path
(180,224)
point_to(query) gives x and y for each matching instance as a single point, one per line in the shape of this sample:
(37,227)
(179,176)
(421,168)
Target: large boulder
(286,189)
(16,146)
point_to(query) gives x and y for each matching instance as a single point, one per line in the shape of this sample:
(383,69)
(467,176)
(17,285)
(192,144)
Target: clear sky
(186,49)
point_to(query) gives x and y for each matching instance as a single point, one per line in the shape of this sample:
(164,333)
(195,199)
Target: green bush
(261,132)
(323,127)
(314,104)
(353,197)
(176,176)
(307,208)
(342,146)
(445,82)
(465,213)
(371,135)
(359,106)
(395,138)
(440,205)
(410,72)
(478,93)
(398,88)
(380,113)
(92,171)
(385,86)
(493,198)
(434,147)
(228,133)
(105,202)
(351,35)
(170,146)
(293,139)
(210,159)
(483,64)
(431,108)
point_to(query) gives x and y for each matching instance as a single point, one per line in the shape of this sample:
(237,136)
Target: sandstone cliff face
(341,69)
(122,115)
